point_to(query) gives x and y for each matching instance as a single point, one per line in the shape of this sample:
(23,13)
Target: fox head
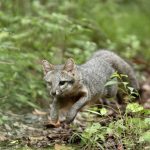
(61,79)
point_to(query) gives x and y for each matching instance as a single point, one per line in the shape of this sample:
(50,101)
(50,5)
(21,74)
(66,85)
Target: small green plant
(93,136)
(131,129)
(128,92)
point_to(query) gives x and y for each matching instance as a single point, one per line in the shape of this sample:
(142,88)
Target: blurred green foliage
(32,30)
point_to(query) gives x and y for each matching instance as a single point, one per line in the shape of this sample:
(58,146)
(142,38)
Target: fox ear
(70,65)
(47,66)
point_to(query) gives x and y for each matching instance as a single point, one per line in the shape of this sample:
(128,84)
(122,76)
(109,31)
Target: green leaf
(112,82)
(131,89)
(109,130)
(91,130)
(125,84)
(94,112)
(147,120)
(134,107)
(145,137)
(24,100)
(103,111)
(124,75)
(115,75)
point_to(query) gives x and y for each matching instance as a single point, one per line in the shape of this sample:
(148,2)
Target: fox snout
(55,92)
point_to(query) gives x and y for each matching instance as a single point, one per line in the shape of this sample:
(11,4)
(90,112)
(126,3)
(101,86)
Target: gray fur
(119,65)
(84,83)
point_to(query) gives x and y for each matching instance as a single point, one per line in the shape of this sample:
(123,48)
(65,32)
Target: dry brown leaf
(61,147)
(58,147)
(146,87)
(38,112)
(120,147)
(2,138)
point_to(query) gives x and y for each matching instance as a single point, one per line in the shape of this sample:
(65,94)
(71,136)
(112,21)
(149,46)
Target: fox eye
(71,81)
(62,82)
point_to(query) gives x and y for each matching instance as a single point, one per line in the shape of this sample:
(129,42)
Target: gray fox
(74,86)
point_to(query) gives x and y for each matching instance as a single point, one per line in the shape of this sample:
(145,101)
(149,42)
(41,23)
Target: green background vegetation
(32,30)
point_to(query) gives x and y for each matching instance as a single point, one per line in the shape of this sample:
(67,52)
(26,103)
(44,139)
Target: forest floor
(29,131)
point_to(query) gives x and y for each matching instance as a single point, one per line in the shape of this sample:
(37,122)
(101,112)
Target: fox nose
(53,93)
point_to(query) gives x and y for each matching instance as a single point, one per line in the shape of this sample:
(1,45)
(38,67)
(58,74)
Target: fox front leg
(75,108)
(54,112)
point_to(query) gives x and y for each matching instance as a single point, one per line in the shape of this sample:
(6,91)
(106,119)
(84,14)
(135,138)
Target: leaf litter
(33,129)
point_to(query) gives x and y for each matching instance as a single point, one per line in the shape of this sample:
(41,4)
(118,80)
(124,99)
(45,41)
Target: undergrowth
(34,30)
(129,130)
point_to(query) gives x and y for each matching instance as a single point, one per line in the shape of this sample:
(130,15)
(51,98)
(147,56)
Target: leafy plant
(131,129)
(129,92)
(92,136)
(60,29)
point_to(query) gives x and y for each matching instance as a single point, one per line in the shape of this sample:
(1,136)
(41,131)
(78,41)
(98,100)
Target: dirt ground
(32,130)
